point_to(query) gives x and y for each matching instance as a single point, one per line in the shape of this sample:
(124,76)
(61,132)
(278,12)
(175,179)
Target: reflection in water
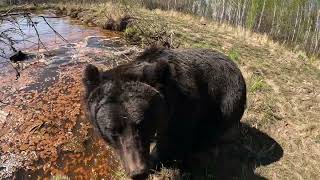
(45,131)
(29,39)
(69,29)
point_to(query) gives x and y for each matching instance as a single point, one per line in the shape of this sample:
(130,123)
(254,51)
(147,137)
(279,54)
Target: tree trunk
(222,12)
(262,11)
(273,18)
(316,31)
(295,25)
(243,10)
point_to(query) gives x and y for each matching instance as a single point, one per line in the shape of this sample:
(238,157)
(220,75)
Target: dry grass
(281,138)
(284,91)
(283,101)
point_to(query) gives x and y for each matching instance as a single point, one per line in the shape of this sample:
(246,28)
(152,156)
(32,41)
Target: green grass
(317,139)
(257,84)
(283,89)
(234,55)
(201,45)
(278,81)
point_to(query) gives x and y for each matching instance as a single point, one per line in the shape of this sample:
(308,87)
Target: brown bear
(182,99)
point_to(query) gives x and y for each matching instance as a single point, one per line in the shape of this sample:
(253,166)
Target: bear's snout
(137,170)
(139,174)
(134,158)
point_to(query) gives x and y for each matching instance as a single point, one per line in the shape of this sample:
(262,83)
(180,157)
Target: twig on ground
(122,54)
(4,103)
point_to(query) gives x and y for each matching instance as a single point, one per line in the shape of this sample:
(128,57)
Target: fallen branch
(14,14)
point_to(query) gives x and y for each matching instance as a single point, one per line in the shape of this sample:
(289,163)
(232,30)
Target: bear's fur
(184,99)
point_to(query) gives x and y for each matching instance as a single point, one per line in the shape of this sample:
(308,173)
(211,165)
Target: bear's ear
(91,78)
(157,72)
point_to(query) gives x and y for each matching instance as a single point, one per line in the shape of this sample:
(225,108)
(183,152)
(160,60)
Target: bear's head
(127,114)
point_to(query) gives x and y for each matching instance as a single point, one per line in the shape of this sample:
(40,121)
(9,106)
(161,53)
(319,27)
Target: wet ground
(44,131)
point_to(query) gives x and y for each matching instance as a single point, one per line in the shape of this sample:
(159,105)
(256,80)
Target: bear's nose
(139,175)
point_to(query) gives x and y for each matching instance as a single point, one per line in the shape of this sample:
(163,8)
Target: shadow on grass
(236,159)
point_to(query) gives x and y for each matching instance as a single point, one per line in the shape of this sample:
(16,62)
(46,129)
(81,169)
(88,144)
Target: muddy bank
(43,127)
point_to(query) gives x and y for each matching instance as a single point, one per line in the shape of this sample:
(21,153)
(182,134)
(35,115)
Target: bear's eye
(139,126)
(113,131)
(111,139)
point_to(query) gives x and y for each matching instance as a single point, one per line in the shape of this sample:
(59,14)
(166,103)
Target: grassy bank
(25,7)
(291,22)
(283,88)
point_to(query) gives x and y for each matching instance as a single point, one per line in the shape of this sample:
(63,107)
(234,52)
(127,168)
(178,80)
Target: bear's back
(191,68)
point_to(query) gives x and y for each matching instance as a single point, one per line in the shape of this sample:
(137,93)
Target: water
(44,131)
(26,38)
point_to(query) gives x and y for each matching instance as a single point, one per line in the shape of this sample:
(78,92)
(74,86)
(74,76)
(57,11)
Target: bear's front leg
(165,154)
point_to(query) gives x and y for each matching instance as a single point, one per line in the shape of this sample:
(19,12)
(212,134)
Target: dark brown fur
(188,97)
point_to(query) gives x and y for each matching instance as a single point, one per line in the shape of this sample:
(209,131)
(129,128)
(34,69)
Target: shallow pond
(26,38)
(44,131)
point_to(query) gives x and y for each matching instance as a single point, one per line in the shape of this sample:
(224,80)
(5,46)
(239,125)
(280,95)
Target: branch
(14,14)
(36,30)
(4,103)
(45,20)
(6,36)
